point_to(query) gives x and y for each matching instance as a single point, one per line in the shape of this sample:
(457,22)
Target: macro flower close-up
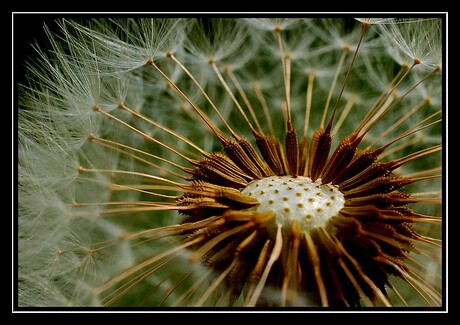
(232,162)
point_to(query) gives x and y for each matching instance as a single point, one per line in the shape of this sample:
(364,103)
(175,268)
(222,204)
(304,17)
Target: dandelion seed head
(218,40)
(272,24)
(124,45)
(375,21)
(414,41)
(232,162)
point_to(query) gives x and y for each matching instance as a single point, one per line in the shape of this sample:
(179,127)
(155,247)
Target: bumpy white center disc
(310,203)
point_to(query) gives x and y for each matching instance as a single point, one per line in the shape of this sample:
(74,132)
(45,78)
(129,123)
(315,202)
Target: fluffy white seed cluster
(101,63)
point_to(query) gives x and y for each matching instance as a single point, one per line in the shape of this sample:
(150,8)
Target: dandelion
(232,162)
